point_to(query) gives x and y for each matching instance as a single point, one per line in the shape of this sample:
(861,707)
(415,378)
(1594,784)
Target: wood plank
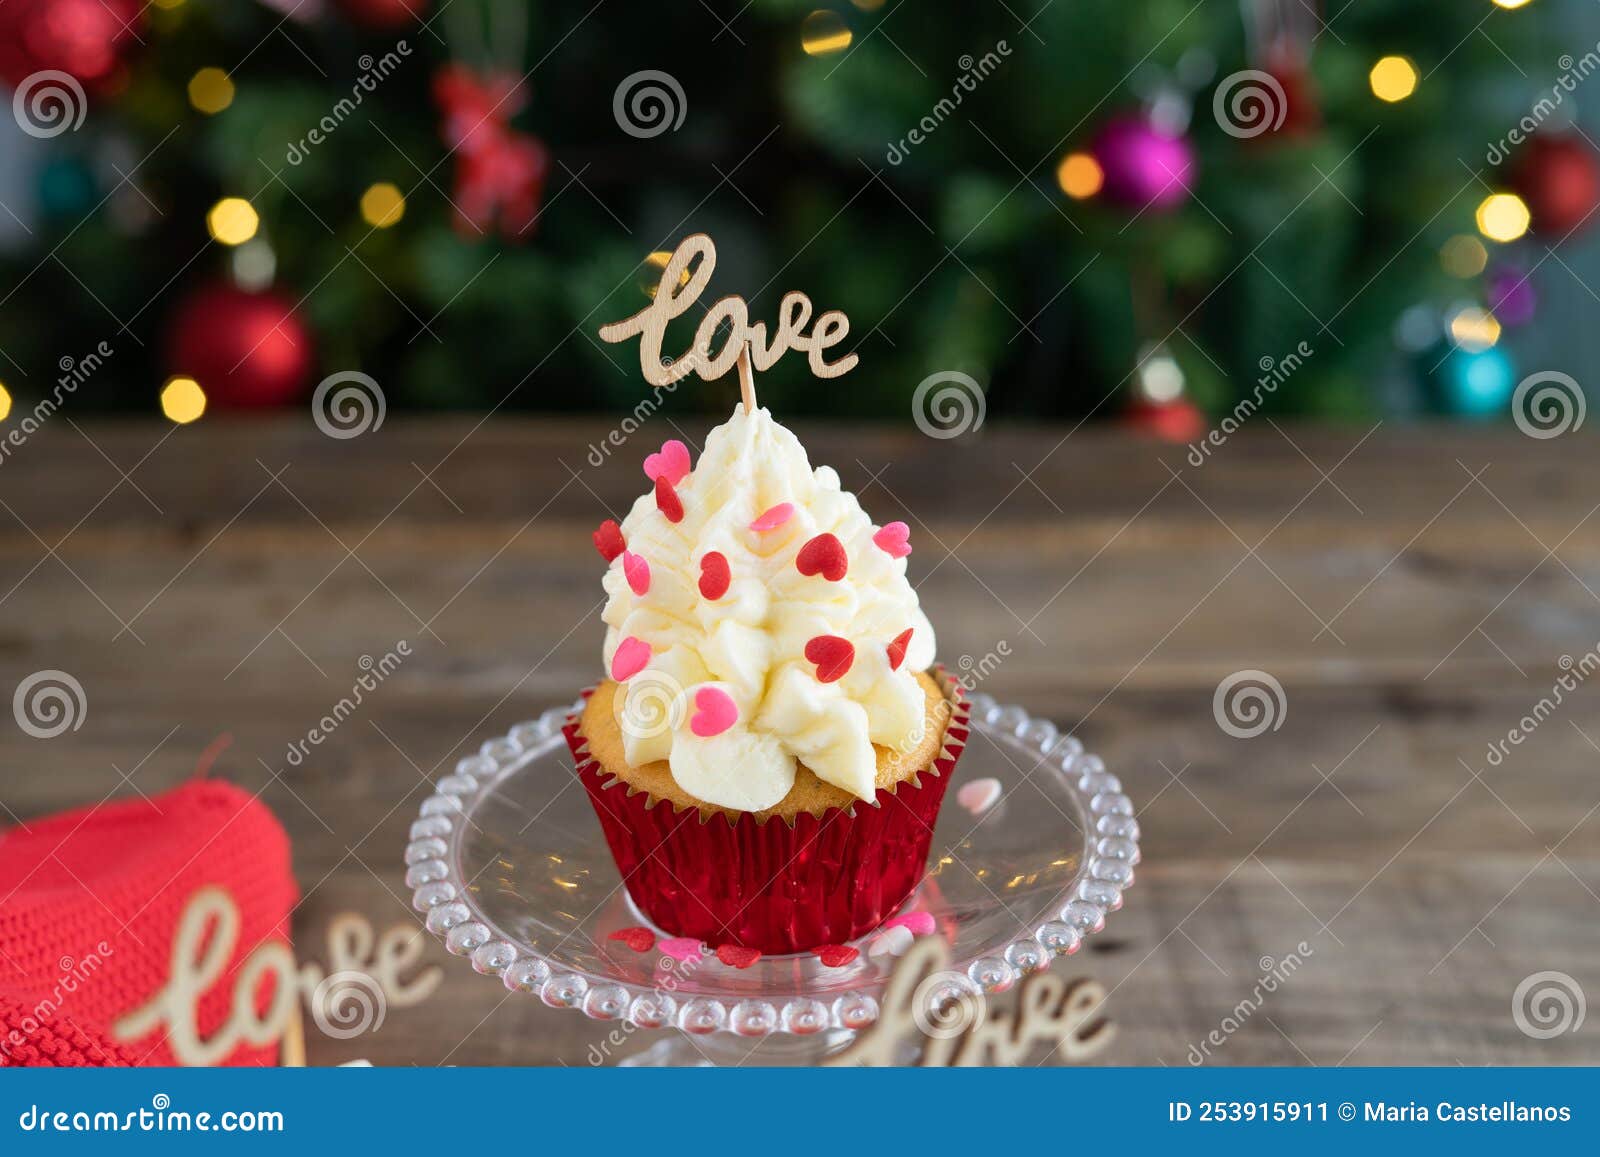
(1420,872)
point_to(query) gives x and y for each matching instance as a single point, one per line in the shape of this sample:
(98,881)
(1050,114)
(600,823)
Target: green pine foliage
(964,255)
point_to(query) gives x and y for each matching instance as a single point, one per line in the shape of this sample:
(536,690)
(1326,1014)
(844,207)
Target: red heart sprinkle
(638,938)
(736,957)
(608,540)
(832,655)
(667,500)
(897,649)
(823,555)
(714,575)
(837,955)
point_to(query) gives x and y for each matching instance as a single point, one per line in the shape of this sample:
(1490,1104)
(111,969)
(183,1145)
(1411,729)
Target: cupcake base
(773,886)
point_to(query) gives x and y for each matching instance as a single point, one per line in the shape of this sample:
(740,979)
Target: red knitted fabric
(90,899)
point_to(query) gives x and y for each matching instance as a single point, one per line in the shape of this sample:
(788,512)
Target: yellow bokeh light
(1079,175)
(1502,217)
(233,221)
(182,400)
(824,32)
(169,4)
(1393,78)
(210,90)
(1511,3)
(651,270)
(1463,256)
(382,205)
(1474,329)
(5,403)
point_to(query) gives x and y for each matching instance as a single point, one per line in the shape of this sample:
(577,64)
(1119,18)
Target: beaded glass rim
(1110,852)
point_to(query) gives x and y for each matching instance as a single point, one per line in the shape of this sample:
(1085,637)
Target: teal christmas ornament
(1470,383)
(66,187)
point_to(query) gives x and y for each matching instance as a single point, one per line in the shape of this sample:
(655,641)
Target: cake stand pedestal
(508,865)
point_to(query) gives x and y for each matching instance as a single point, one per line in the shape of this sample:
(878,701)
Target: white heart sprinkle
(892,942)
(979,795)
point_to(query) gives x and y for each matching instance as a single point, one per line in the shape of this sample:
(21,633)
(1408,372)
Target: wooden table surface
(1413,590)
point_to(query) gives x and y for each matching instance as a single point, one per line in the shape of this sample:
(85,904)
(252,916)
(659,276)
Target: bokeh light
(1502,217)
(210,91)
(182,400)
(1463,256)
(1393,78)
(1079,175)
(233,221)
(1474,329)
(5,403)
(824,32)
(382,205)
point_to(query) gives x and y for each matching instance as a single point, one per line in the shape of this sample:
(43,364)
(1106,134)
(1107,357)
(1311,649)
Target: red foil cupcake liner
(771,886)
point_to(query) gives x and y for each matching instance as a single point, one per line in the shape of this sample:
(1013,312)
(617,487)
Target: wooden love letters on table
(1050,1010)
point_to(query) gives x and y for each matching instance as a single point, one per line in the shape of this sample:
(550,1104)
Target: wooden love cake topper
(927,1004)
(746,342)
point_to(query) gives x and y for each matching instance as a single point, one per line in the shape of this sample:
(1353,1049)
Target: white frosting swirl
(751,641)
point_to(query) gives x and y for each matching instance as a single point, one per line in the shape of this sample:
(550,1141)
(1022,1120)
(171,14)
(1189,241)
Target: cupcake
(768,755)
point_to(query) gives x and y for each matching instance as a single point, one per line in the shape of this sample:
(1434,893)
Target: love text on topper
(679,289)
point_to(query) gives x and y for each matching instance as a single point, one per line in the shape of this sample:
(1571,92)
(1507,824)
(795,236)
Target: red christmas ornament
(503,181)
(500,173)
(1301,110)
(247,350)
(1179,420)
(1558,175)
(384,15)
(83,38)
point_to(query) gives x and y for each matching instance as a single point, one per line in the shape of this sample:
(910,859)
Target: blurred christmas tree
(1119,206)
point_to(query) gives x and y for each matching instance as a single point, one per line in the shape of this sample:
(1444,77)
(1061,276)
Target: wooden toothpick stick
(747,380)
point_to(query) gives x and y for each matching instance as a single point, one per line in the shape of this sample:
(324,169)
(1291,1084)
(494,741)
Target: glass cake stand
(509,866)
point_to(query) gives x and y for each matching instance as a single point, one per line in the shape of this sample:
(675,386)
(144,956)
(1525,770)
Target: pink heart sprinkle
(715,712)
(892,539)
(631,656)
(681,948)
(672,462)
(917,923)
(637,572)
(773,518)
(979,796)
